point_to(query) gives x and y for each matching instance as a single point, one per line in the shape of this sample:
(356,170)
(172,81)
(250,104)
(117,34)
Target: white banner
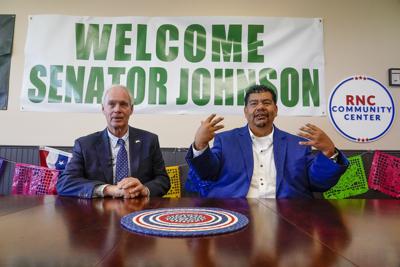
(175,65)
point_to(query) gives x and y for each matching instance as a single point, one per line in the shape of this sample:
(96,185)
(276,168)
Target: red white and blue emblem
(184,222)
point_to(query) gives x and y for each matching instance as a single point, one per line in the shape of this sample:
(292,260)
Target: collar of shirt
(114,139)
(263,141)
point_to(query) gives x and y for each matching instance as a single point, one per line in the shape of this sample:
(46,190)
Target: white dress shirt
(99,189)
(263,181)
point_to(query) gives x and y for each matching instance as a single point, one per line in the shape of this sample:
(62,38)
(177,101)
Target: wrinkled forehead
(117,94)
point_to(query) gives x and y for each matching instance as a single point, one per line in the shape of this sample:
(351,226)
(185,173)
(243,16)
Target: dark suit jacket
(229,165)
(91,164)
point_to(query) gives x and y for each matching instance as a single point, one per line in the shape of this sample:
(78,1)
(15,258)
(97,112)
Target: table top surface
(61,231)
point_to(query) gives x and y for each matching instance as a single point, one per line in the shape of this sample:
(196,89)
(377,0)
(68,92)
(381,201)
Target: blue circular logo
(361,109)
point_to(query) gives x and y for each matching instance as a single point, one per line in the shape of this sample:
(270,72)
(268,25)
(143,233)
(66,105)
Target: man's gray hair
(119,86)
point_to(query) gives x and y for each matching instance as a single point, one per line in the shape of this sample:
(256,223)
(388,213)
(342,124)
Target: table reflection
(322,221)
(59,231)
(271,240)
(232,249)
(98,224)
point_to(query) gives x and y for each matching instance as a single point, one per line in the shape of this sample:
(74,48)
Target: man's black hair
(258,88)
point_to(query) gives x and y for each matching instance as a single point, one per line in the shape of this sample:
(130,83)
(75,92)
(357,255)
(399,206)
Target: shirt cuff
(335,156)
(99,190)
(196,152)
(148,191)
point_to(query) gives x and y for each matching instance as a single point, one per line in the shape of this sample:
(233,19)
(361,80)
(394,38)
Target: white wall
(361,37)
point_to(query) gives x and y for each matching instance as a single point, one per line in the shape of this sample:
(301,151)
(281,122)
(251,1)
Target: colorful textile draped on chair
(175,180)
(34,180)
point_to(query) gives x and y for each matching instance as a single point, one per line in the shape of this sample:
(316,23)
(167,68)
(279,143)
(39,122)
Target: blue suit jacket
(229,165)
(91,164)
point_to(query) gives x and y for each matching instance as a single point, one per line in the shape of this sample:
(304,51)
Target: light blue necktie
(121,166)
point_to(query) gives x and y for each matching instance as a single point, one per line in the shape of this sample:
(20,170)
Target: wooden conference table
(59,231)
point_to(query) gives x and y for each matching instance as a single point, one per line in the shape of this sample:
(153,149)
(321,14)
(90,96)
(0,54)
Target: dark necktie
(121,167)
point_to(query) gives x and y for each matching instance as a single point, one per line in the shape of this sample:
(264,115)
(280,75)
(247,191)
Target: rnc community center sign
(173,65)
(361,109)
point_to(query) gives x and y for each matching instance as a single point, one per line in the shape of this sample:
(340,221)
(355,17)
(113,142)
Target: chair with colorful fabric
(175,180)
(34,180)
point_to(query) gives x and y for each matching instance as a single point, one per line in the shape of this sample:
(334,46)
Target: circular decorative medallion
(184,222)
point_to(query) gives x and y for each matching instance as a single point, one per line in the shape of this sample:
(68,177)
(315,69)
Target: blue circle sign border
(340,130)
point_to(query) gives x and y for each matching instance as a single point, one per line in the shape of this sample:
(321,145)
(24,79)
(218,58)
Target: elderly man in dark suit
(120,161)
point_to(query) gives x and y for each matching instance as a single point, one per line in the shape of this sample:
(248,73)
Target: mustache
(262,113)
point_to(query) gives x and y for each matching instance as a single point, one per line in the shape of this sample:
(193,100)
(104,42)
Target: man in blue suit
(94,170)
(259,160)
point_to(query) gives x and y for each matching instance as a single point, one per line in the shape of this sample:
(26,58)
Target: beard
(261,119)
(260,124)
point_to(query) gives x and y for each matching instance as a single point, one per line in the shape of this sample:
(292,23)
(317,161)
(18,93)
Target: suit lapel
(104,156)
(135,143)
(280,146)
(247,150)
